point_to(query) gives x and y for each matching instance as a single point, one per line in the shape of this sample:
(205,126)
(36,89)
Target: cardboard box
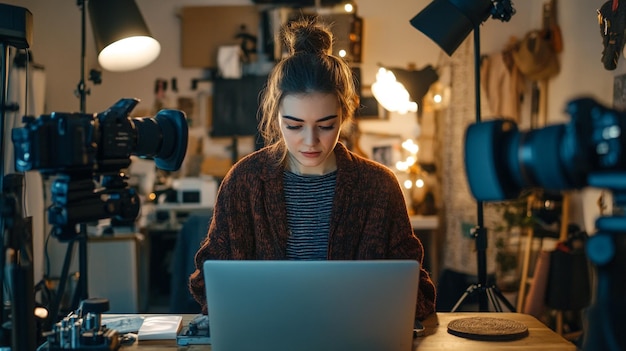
(206,28)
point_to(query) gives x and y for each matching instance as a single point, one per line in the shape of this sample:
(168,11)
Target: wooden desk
(437,338)
(540,337)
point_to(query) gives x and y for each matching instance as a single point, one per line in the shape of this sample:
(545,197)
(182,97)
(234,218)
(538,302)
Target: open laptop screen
(311,305)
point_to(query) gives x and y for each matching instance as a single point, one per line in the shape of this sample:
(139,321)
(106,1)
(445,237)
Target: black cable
(26,85)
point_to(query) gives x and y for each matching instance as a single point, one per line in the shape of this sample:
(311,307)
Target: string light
(411,166)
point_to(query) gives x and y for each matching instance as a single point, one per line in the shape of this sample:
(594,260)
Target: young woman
(305,196)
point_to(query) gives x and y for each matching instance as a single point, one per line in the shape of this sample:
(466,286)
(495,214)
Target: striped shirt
(309,201)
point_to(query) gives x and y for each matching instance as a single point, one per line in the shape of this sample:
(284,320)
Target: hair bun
(308,35)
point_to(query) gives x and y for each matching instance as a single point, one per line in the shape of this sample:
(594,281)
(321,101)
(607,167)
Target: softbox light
(449,22)
(121,35)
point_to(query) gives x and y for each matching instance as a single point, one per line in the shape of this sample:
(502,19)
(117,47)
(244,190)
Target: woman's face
(310,124)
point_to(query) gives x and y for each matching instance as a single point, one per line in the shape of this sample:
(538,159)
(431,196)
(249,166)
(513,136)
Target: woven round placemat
(487,328)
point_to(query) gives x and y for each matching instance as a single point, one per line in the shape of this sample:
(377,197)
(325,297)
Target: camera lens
(163,137)
(486,154)
(501,161)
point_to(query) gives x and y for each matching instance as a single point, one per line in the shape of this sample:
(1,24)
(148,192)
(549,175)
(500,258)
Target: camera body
(70,133)
(99,143)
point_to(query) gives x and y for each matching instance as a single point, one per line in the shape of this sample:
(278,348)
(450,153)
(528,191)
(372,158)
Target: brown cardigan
(369,219)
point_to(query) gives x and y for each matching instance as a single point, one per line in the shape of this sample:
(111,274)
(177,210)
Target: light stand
(487,293)
(81,290)
(448,23)
(16,268)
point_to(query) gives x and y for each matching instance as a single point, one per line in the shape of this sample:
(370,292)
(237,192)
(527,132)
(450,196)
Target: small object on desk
(418,329)
(125,323)
(128,339)
(196,333)
(160,327)
(487,329)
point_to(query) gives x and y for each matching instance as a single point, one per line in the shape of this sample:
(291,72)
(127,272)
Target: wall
(388,39)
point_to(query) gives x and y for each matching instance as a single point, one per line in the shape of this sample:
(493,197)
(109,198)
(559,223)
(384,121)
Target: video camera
(590,150)
(501,161)
(85,149)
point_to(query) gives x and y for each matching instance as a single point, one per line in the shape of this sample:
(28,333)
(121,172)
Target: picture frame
(385,149)
(383,154)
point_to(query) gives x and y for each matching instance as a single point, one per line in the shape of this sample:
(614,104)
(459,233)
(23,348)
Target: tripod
(16,257)
(604,325)
(487,293)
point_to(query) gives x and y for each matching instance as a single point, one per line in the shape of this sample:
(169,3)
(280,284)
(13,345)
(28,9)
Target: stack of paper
(160,327)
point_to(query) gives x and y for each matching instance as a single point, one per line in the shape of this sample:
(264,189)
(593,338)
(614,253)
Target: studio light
(449,22)
(121,35)
(402,90)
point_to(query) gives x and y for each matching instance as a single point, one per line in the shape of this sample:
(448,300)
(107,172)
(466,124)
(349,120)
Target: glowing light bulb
(391,94)
(410,161)
(129,54)
(402,166)
(410,146)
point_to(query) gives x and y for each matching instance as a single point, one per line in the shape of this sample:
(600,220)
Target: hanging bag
(535,57)
(612,21)
(568,283)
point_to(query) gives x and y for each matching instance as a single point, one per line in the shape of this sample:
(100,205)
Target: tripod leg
(80,292)
(502,298)
(56,302)
(469,291)
(492,298)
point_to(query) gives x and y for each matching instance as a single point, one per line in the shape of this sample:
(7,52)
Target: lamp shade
(416,83)
(449,22)
(401,90)
(121,35)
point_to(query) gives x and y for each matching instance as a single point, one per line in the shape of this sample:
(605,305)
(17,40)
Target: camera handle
(605,325)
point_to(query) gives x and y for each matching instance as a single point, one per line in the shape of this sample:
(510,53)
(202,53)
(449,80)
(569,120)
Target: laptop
(311,305)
